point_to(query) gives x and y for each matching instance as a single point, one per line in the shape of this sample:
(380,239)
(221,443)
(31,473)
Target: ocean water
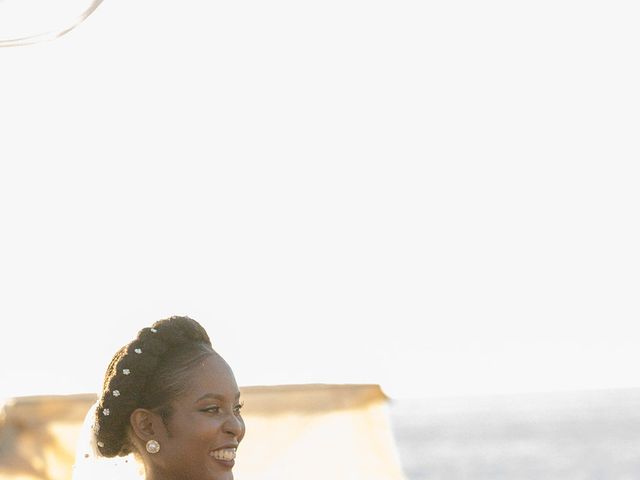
(592,435)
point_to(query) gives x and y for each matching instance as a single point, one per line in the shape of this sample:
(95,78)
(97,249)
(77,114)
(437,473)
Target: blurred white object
(24,22)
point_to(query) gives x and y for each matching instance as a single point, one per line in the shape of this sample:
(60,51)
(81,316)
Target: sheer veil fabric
(90,465)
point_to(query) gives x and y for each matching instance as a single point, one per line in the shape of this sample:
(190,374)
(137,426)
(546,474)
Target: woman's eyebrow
(216,396)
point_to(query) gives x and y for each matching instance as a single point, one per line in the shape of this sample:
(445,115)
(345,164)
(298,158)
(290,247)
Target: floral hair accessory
(138,350)
(106,412)
(126,371)
(116,393)
(100,444)
(153,330)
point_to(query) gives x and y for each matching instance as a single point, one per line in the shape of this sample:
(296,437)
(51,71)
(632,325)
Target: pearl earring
(153,446)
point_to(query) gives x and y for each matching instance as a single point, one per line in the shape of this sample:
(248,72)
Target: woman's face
(205,428)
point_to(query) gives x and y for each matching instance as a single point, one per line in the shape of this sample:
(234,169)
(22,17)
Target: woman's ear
(144,424)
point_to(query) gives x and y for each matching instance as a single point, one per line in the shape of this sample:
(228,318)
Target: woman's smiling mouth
(225,456)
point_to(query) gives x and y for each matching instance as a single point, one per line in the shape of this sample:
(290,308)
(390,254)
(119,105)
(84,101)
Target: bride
(169,410)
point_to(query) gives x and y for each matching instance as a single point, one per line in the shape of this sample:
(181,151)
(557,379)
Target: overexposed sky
(440,197)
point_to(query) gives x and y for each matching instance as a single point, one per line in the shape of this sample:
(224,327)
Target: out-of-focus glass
(23,22)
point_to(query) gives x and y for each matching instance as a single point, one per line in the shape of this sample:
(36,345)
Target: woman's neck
(154,473)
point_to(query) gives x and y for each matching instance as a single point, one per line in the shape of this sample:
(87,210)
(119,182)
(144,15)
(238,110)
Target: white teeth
(224,454)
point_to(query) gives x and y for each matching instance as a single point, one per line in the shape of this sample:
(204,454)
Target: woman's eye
(238,407)
(214,409)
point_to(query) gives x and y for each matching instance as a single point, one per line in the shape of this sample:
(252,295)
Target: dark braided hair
(147,373)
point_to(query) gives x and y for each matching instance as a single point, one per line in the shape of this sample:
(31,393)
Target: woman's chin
(223,476)
(220,474)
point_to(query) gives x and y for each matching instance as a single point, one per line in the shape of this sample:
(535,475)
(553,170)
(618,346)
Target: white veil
(90,465)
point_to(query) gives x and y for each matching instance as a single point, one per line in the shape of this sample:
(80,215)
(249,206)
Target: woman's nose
(234,426)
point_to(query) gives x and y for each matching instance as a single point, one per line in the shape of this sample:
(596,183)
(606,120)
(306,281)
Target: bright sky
(439,197)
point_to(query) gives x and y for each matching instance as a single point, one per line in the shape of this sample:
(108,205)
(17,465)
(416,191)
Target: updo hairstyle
(148,373)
